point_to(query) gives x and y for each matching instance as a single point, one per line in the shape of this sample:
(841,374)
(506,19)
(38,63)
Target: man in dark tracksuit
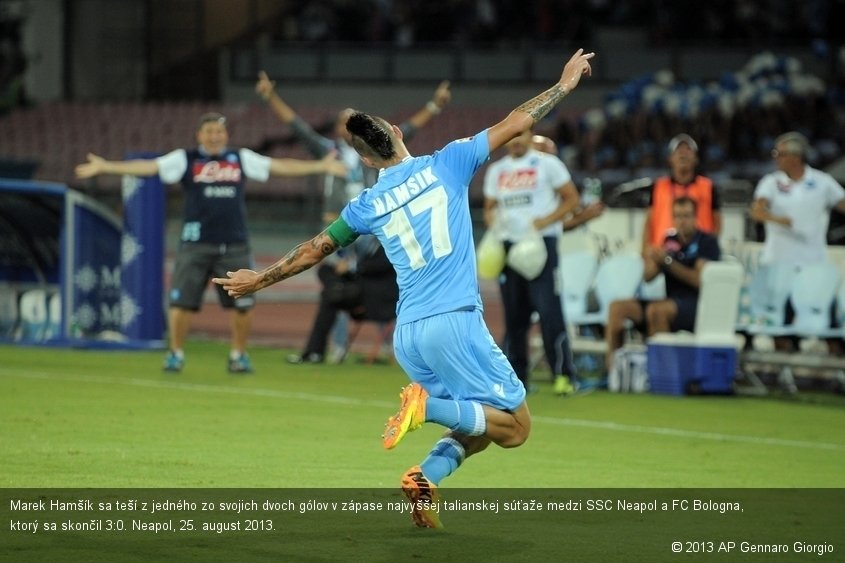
(528,193)
(337,191)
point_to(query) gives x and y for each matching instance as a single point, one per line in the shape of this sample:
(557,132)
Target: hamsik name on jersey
(402,193)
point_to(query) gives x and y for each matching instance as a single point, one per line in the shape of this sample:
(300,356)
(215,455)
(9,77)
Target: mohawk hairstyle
(370,136)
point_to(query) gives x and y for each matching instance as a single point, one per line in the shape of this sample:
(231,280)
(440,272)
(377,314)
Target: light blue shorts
(453,356)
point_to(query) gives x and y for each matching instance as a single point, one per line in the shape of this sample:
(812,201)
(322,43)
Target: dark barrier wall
(70,272)
(142,255)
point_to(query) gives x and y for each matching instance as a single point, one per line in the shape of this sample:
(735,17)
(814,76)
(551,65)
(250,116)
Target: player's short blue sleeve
(352,213)
(465,156)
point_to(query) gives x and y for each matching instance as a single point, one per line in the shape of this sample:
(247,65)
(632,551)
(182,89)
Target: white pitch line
(186,386)
(273,393)
(678,433)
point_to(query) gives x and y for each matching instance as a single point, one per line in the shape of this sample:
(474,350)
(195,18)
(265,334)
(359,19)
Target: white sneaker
(337,355)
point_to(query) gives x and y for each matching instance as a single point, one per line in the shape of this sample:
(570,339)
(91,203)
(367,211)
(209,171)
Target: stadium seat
(33,314)
(8,311)
(814,289)
(768,292)
(718,301)
(811,291)
(618,277)
(54,316)
(840,306)
(577,273)
(653,290)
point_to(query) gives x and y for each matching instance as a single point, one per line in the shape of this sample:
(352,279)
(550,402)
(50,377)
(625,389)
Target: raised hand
(89,169)
(264,87)
(575,68)
(442,96)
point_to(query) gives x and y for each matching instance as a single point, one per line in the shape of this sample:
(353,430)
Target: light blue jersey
(419,210)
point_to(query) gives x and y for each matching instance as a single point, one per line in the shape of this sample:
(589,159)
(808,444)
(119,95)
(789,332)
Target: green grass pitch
(106,419)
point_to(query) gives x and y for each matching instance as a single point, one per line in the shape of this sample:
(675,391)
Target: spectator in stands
(683,181)
(366,290)
(339,190)
(681,258)
(527,192)
(214,237)
(794,204)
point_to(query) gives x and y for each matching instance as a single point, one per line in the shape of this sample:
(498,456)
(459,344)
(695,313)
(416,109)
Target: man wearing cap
(525,193)
(683,181)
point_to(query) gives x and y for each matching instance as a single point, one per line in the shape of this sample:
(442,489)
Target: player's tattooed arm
(300,258)
(527,114)
(539,106)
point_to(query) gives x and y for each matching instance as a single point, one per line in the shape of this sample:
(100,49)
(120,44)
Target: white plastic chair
(718,300)
(33,314)
(54,316)
(653,290)
(8,310)
(813,291)
(840,306)
(769,291)
(577,272)
(618,277)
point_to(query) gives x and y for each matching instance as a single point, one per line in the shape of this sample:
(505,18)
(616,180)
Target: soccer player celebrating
(419,210)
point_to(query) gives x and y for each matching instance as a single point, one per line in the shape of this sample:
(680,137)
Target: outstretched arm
(526,115)
(316,144)
(440,99)
(295,167)
(299,259)
(97,165)
(266,88)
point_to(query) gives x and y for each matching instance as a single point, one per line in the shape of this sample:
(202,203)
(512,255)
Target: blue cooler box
(675,369)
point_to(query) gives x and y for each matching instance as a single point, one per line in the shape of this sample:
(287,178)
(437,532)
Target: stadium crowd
(403,23)
(735,120)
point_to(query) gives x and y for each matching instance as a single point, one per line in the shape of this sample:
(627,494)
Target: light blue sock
(466,417)
(443,459)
